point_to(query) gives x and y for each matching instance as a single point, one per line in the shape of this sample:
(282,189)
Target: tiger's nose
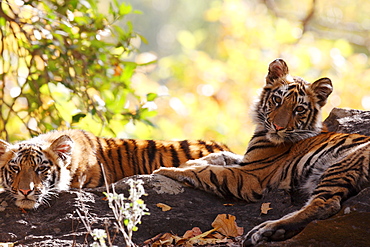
(25,192)
(277,127)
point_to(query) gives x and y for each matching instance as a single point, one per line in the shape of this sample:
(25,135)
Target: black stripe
(221,148)
(120,149)
(361,138)
(101,178)
(295,177)
(310,117)
(195,175)
(116,163)
(54,178)
(145,160)
(161,160)
(225,187)
(185,148)
(152,149)
(309,166)
(213,178)
(134,157)
(208,147)
(250,149)
(175,157)
(88,139)
(128,153)
(267,161)
(101,154)
(240,185)
(108,150)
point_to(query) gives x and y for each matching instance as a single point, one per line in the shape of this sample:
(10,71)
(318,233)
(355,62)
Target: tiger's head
(34,170)
(289,108)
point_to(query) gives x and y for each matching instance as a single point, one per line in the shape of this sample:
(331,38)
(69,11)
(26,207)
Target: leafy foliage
(66,64)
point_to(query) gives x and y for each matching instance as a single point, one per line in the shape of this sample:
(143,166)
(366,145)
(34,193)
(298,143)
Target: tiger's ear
(3,147)
(63,147)
(277,69)
(322,88)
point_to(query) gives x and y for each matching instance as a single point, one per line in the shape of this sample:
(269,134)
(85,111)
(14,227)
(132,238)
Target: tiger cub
(35,169)
(289,150)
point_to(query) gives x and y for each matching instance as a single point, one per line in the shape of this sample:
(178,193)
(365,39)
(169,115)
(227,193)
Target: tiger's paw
(269,231)
(197,162)
(171,172)
(183,175)
(224,158)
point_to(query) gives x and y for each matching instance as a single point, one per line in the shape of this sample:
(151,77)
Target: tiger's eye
(42,168)
(14,168)
(277,99)
(300,109)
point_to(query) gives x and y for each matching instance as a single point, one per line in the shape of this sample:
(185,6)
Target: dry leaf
(265,207)
(218,235)
(202,235)
(164,207)
(226,225)
(192,233)
(165,239)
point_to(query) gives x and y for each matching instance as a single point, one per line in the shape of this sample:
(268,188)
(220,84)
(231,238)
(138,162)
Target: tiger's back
(58,160)
(127,157)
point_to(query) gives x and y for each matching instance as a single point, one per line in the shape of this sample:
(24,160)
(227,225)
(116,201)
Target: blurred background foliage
(197,75)
(66,64)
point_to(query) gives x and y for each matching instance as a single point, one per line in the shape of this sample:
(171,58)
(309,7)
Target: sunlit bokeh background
(210,62)
(212,59)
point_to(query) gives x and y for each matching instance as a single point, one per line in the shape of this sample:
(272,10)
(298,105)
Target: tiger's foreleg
(337,183)
(224,181)
(224,158)
(291,224)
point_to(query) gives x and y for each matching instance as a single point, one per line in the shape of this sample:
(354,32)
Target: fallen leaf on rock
(226,225)
(265,207)
(164,207)
(192,233)
(165,239)
(202,235)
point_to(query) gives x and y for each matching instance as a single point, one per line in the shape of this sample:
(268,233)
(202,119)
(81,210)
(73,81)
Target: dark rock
(59,224)
(348,121)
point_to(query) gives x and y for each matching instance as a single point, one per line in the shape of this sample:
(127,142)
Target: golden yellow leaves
(224,228)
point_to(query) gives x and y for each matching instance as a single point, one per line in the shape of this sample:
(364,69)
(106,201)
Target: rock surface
(59,223)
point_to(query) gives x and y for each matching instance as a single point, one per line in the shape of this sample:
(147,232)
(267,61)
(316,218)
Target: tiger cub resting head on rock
(34,170)
(290,151)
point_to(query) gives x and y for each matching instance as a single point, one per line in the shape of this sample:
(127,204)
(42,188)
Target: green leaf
(76,118)
(151,96)
(125,9)
(145,41)
(2,21)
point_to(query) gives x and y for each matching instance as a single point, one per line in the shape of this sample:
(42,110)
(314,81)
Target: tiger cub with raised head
(289,150)
(34,170)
